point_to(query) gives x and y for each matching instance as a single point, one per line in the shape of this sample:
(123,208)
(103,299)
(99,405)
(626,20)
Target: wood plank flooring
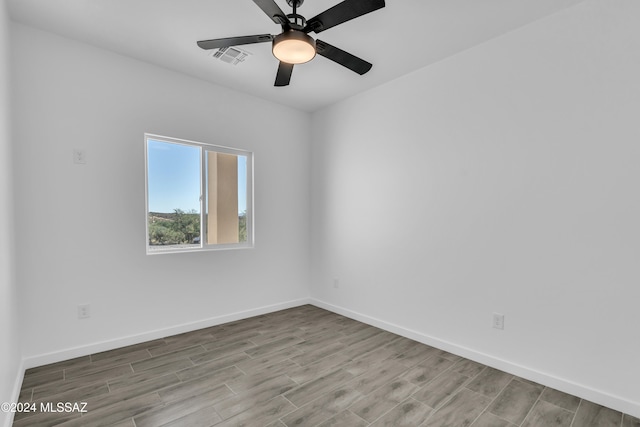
(299,367)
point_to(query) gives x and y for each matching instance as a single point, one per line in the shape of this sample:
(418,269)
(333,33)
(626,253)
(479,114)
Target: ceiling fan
(294,45)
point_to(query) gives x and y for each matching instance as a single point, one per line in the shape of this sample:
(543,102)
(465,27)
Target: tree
(180,227)
(160,234)
(187,224)
(242,227)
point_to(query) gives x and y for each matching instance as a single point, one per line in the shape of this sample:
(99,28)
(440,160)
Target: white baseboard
(605,399)
(70,353)
(17,386)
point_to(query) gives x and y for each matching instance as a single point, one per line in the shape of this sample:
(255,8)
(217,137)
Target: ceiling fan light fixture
(294,47)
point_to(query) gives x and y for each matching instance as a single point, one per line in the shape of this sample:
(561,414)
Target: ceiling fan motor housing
(295,3)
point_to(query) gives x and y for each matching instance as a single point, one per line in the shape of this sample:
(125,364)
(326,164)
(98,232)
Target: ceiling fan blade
(284,74)
(234,41)
(273,11)
(342,12)
(343,58)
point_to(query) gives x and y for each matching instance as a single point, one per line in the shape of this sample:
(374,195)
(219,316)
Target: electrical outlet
(498,321)
(79,156)
(336,283)
(84,311)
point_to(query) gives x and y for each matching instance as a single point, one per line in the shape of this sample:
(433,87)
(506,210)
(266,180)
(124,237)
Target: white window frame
(204,246)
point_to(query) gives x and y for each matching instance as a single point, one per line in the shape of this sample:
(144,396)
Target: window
(199,196)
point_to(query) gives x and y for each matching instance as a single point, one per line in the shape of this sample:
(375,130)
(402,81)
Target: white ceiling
(404,36)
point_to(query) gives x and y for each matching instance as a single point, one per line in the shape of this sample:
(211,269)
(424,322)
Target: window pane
(242,198)
(226,207)
(174,188)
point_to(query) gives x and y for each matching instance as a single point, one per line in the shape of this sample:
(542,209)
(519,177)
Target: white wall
(10,357)
(504,179)
(81,236)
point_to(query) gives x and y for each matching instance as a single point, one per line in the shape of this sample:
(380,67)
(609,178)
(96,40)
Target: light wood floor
(299,367)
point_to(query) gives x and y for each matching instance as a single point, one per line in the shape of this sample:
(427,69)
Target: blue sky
(174,177)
